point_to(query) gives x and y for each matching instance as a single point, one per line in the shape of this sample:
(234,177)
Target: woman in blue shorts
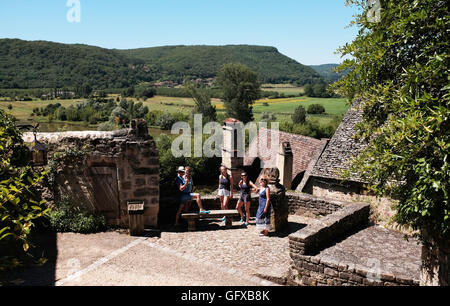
(245,199)
(225,188)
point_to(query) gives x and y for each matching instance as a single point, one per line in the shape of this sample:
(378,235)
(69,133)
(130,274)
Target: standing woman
(246,196)
(225,188)
(264,209)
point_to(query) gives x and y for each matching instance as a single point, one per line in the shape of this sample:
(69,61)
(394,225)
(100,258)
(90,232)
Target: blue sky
(309,31)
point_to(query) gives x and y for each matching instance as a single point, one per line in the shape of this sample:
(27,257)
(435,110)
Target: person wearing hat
(247,187)
(190,196)
(184,186)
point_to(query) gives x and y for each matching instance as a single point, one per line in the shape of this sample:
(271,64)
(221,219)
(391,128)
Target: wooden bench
(215,214)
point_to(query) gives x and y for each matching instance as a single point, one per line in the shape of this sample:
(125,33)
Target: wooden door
(106,191)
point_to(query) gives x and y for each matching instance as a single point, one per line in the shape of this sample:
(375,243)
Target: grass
(22,110)
(333,106)
(282,108)
(283,89)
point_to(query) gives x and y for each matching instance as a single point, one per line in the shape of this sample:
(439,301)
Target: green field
(284,89)
(333,106)
(282,108)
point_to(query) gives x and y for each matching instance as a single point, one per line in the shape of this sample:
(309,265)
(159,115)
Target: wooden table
(215,214)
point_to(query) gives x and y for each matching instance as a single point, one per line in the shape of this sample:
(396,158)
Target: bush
(20,203)
(299,116)
(107,126)
(145,92)
(152,117)
(312,128)
(167,120)
(66,217)
(266,117)
(316,109)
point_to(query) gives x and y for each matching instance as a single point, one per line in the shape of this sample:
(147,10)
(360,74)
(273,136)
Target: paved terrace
(210,256)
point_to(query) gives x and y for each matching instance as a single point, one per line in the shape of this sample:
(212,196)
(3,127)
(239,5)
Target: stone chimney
(230,156)
(285,163)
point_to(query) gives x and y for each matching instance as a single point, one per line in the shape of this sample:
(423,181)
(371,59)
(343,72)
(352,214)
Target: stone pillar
(230,152)
(285,163)
(280,205)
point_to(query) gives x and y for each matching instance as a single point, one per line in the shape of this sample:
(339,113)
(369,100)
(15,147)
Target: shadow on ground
(40,266)
(291,228)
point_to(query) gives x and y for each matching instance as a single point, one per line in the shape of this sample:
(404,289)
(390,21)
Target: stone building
(304,151)
(115,168)
(324,176)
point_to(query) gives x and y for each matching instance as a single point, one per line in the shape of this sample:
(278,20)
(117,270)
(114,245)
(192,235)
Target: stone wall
(311,206)
(324,231)
(308,269)
(298,203)
(313,271)
(382,209)
(117,167)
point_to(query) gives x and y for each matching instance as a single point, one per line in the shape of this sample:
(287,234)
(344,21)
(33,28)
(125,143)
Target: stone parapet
(312,238)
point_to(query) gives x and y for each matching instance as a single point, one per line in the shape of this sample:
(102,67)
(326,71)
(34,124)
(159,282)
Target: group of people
(185,186)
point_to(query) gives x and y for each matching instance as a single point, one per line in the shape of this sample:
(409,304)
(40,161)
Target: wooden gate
(106,192)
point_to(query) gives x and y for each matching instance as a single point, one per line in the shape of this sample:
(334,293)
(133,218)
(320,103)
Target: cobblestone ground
(380,249)
(239,248)
(212,255)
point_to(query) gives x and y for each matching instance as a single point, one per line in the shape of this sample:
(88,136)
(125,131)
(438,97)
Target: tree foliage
(41,64)
(177,63)
(399,71)
(203,104)
(240,88)
(204,167)
(20,204)
(316,109)
(299,115)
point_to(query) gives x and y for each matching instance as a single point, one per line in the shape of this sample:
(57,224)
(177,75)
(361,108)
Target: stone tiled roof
(303,149)
(341,148)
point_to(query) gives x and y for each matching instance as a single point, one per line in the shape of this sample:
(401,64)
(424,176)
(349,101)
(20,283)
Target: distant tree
(61,113)
(308,90)
(10,107)
(320,90)
(317,90)
(299,116)
(101,94)
(145,92)
(240,88)
(129,92)
(83,91)
(128,110)
(316,109)
(203,103)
